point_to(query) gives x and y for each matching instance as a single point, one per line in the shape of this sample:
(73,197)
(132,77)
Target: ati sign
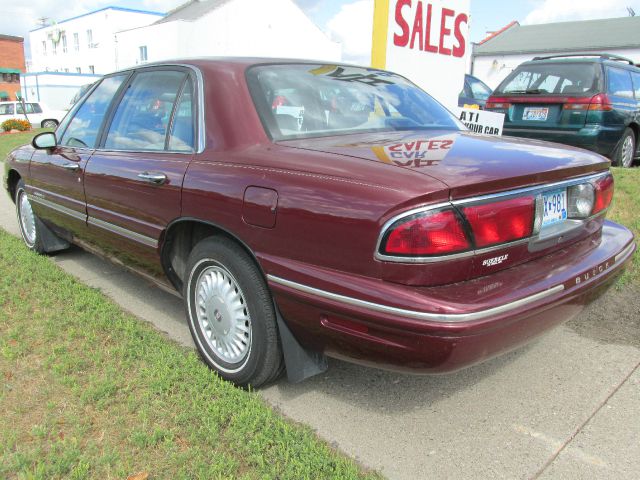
(481,121)
(426,41)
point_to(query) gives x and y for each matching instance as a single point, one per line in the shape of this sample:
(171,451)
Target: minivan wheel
(626,149)
(231,313)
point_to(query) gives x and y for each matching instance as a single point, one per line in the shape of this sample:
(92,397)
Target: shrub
(15,124)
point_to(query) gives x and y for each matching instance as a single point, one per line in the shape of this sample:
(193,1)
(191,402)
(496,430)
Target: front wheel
(28,221)
(49,124)
(231,313)
(623,156)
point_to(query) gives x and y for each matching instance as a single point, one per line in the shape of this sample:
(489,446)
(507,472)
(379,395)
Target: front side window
(82,131)
(298,101)
(619,82)
(6,109)
(551,79)
(142,119)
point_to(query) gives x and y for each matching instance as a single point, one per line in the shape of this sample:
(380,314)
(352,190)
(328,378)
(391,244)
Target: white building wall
(99,53)
(494,68)
(277,28)
(55,90)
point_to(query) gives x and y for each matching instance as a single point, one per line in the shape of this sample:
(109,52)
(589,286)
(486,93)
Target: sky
(346,21)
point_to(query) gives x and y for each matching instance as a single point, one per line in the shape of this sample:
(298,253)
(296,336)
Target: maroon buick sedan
(305,210)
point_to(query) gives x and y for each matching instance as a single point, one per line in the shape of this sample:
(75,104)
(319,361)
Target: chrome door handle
(156,178)
(74,167)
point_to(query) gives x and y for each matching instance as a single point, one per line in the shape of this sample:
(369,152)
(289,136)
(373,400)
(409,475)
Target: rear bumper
(441,329)
(597,138)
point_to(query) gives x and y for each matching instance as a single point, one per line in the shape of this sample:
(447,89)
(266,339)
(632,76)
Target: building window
(76,42)
(78,70)
(66,70)
(90,38)
(63,38)
(143,53)
(44,47)
(92,69)
(54,48)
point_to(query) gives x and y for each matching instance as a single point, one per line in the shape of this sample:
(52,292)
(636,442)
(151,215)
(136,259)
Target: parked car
(38,115)
(304,210)
(474,92)
(589,101)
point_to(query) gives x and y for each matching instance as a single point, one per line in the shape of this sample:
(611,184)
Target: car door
(133,182)
(56,176)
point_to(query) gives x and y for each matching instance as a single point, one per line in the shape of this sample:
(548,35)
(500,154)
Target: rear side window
(84,126)
(142,119)
(478,89)
(636,84)
(619,83)
(551,79)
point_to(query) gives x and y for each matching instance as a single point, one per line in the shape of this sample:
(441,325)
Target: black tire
(49,123)
(217,264)
(625,151)
(28,222)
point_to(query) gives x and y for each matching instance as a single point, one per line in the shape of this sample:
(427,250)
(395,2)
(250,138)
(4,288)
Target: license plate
(555,207)
(537,114)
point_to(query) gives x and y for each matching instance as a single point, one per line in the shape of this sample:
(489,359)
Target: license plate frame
(554,204)
(535,114)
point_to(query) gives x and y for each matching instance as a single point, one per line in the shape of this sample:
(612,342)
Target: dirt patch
(614,318)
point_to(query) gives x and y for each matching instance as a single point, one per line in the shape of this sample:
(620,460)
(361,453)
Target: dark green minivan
(586,100)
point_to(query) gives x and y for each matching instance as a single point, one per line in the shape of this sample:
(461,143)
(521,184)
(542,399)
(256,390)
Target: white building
(84,44)
(53,89)
(273,28)
(499,54)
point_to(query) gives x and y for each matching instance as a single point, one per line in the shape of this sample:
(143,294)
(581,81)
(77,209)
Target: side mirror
(44,141)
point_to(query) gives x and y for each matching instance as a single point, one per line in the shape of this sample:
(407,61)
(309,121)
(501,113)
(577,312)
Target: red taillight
(601,102)
(438,233)
(497,103)
(604,193)
(501,222)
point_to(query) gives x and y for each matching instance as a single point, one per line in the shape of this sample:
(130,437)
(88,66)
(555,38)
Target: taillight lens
(437,233)
(580,200)
(601,102)
(604,193)
(501,222)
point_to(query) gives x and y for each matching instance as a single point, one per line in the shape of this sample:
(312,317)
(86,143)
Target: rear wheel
(49,124)
(626,150)
(231,313)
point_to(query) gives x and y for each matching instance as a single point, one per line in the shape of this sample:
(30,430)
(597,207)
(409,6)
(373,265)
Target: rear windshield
(551,79)
(301,101)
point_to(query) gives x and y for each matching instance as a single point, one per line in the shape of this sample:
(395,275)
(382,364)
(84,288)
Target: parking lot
(563,407)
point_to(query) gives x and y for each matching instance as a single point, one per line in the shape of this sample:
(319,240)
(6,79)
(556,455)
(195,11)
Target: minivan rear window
(551,79)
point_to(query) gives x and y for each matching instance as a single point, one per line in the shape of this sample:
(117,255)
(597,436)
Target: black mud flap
(300,362)
(50,241)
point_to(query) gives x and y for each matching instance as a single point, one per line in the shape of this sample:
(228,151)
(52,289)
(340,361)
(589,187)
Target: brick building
(11,66)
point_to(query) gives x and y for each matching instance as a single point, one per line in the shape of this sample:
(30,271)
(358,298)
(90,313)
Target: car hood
(467,163)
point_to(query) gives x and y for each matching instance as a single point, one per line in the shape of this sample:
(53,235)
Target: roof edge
(119,9)
(491,36)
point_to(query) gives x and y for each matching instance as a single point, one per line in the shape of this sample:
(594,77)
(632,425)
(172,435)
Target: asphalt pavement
(565,406)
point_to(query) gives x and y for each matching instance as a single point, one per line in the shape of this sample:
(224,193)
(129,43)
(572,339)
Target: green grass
(12,140)
(88,391)
(626,211)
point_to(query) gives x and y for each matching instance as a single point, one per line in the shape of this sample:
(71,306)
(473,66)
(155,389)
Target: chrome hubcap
(222,314)
(627,151)
(27,219)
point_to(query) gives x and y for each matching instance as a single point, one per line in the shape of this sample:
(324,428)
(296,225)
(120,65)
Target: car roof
(586,59)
